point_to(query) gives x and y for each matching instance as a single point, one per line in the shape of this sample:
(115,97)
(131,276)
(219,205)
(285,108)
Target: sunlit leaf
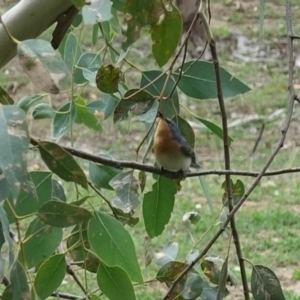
(113,244)
(169,253)
(60,214)
(198,81)
(50,275)
(166,36)
(158,205)
(115,283)
(58,191)
(265,284)
(83,116)
(43,65)
(62,163)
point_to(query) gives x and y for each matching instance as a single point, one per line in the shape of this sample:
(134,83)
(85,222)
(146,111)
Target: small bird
(171,150)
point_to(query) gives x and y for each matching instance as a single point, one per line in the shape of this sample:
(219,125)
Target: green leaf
(95,34)
(169,253)
(185,129)
(198,81)
(108,78)
(193,286)
(113,245)
(169,106)
(126,187)
(63,120)
(43,111)
(26,102)
(265,284)
(60,214)
(83,116)
(58,191)
(41,240)
(158,205)
(18,280)
(138,104)
(115,283)
(5,99)
(8,293)
(213,128)
(166,36)
(100,175)
(261,17)
(72,51)
(4,188)
(14,143)
(97,11)
(6,234)
(43,65)
(50,275)
(142,13)
(62,163)
(27,202)
(78,244)
(107,105)
(87,61)
(222,281)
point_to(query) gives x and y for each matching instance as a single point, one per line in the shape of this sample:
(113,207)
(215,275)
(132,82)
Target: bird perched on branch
(171,150)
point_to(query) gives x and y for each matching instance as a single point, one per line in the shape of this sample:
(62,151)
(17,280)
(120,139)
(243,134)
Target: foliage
(61,232)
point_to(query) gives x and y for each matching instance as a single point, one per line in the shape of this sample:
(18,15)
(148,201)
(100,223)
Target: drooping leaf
(27,202)
(189,218)
(43,111)
(265,284)
(101,175)
(261,17)
(168,272)
(78,244)
(214,128)
(108,78)
(60,214)
(198,81)
(72,51)
(97,11)
(14,143)
(169,105)
(237,190)
(58,191)
(78,3)
(43,65)
(185,129)
(193,286)
(4,188)
(158,205)
(83,116)
(222,281)
(88,61)
(166,36)
(18,281)
(5,99)
(50,275)
(95,34)
(41,240)
(26,102)
(62,163)
(106,106)
(139,103)
(115,283)
(113,244)
(63,120)
(126,187)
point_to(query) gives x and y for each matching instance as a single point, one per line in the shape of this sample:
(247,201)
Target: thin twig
(280,143)
(59,295)
(258,138)
(226,148)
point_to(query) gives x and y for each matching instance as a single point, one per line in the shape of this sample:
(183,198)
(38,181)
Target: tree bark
(27,20)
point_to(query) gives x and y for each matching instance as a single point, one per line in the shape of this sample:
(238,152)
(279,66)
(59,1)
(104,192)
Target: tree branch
(284,130)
